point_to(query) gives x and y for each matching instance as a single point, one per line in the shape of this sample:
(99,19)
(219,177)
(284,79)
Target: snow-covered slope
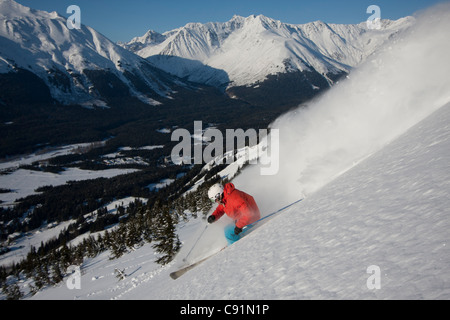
(249,49)
(42,43)
(390,211)
(375,175)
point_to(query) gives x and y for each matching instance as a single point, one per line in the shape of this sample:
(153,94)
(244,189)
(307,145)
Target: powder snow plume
(407,80)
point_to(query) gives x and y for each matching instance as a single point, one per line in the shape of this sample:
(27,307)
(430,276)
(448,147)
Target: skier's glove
(237,230)
(211,219)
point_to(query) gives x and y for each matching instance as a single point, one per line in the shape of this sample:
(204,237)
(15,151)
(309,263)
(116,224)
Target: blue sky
(122,20)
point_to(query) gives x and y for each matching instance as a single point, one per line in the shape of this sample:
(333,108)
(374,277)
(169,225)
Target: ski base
(176,274)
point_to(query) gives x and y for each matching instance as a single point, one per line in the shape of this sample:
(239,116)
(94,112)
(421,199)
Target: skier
(238,205)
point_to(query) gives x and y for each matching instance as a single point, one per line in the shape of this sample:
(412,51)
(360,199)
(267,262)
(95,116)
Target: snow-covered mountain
(82,66)
(371,160)
(71,61)
(244,51)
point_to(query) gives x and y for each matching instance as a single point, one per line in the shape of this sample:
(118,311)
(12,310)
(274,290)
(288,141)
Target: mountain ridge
(234,47)
(41,42)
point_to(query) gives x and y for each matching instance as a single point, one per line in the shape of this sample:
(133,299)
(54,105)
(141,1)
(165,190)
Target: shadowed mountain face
(67,59)
(191,70)
(238,74)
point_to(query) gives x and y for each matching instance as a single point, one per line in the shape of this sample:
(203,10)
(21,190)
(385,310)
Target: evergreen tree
(107,240)
(168,242)
(147,231)
(3,274)
(12,291)
(90,247)
(57,273)
(118,247)
(41,275)
(133,233)
(66,257)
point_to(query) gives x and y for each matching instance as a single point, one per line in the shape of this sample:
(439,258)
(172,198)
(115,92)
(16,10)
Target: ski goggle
(216,198)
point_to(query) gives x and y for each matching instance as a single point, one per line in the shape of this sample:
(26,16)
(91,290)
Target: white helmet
(215,192)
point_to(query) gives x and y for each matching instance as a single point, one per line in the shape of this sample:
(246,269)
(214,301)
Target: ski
(176,274)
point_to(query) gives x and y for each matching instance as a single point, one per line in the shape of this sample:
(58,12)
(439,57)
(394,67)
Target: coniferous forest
(153,221)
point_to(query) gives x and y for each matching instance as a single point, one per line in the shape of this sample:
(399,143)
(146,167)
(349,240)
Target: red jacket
(238,205)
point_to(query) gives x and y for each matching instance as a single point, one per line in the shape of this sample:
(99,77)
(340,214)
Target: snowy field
(23,182)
